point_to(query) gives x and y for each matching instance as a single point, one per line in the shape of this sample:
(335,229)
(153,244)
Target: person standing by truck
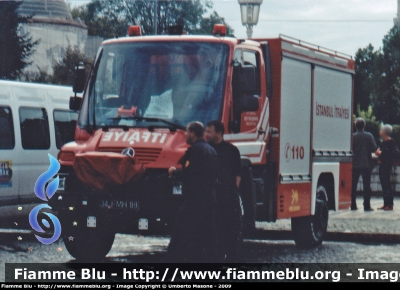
(363,147)
(194,234)
(388,153)
(228,212)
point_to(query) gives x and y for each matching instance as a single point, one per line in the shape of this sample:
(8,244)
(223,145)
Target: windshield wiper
(137,118)
(123,127)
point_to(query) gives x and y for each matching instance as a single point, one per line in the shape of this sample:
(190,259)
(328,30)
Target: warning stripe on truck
(255,151)
(263,124)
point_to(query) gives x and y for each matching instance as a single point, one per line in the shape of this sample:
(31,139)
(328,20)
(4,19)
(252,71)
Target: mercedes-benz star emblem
(128,152)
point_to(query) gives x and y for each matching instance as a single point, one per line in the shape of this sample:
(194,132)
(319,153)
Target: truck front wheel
(310,231)
(86,244)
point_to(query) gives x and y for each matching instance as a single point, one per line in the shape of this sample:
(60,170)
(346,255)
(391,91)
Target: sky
(341,25)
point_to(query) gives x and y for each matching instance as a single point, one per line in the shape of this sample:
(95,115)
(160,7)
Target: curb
(366,238)
(279,235)
(377,194)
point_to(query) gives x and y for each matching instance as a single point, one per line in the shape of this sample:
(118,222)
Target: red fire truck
(286,104)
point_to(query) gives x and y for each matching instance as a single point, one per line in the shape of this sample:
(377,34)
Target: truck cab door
(249,117)
(249,92)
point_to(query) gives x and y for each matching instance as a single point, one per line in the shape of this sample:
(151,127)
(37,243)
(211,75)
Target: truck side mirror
(75,103)
(79,81)
(78,87)
(247,80)
(249,104)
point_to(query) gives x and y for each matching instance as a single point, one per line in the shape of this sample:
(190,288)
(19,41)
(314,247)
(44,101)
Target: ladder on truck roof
(316,47)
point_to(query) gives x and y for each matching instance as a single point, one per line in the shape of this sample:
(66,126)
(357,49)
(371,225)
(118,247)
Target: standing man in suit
(363,147)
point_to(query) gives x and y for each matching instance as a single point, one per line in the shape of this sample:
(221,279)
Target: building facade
(53,26)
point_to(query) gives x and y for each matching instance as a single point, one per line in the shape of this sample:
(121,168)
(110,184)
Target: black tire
(248,196)
(310,231)
(88,244)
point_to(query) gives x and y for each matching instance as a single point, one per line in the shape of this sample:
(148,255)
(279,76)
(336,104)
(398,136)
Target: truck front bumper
(146,207)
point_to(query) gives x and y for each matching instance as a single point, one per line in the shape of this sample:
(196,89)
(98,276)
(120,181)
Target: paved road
(128,248)
(348,221)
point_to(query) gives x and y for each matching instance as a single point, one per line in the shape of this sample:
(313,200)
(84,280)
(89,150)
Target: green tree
(39,76)
(367,115)
(387,94)
(365,61)
(377,79)
(207,24)
(111,18)
(97,22)
(15,49)
(64,70)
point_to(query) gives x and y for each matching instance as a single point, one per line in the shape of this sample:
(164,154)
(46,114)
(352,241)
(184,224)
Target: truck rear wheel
(86,244)
(310,231)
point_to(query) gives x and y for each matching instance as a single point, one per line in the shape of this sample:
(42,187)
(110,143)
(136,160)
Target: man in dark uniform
(194,235)
(228,211)
(363,147)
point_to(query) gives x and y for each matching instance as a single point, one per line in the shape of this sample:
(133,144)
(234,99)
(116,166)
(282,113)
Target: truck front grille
(143,155)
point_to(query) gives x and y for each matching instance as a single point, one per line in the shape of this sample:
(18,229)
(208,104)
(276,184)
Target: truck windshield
(156,84)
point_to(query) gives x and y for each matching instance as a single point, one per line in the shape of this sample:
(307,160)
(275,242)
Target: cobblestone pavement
(347,221)
(129,248)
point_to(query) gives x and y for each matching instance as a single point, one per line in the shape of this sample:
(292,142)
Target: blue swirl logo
(45,177)
(45,194)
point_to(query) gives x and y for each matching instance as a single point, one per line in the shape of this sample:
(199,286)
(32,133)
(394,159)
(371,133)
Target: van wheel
(310,231)
(86,244)
(248,198)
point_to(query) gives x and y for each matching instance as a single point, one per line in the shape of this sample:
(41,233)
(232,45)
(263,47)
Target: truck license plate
(123,204)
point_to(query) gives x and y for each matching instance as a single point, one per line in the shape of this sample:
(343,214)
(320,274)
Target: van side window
(34,128)
(250,58)
(7,139)
(64,125)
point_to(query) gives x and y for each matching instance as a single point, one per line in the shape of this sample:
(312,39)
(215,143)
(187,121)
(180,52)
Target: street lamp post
(250,10)
(397,19)
(155,17)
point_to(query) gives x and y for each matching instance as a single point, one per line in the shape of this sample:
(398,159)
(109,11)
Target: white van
(34,120)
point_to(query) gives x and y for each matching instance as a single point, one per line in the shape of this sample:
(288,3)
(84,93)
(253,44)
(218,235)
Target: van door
(35,143)
(8,156)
